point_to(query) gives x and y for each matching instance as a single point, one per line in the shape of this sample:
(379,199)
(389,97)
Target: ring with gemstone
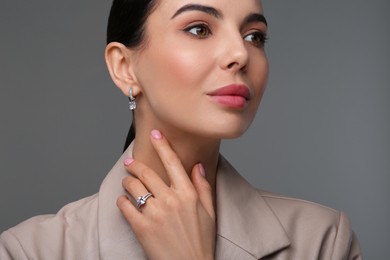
(141,200)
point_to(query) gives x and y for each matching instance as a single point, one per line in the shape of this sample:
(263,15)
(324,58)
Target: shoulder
(40,236)
(308,223)
(293,209)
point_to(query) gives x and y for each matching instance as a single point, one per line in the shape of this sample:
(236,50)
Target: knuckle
(173,203)
(140,227)
(176,203)
(144,174)
(191,196)
(121,203)
(158,217)
(206,187)
(131,183)
(171,159)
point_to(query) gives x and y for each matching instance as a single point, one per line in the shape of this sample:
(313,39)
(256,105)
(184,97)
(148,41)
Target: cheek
(260,77)
(177,66)
(172,74)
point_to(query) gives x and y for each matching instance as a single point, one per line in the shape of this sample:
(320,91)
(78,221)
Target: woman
(194,72)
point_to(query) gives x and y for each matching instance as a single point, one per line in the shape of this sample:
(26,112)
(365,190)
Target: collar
(246,226)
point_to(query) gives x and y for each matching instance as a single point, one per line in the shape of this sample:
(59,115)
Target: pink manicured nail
(156,134)
(202,171)
(128,161)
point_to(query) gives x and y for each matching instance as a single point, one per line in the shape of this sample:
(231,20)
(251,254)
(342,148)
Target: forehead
(166,8)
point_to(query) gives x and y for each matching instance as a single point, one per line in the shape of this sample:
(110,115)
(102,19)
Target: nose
(235,56)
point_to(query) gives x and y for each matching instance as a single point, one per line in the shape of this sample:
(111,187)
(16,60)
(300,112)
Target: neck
(190,150)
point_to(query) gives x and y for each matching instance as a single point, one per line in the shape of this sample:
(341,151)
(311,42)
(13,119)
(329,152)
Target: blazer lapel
(247,228)
(116,239)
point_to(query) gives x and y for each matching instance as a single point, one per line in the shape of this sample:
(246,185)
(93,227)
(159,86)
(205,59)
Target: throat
(190,152)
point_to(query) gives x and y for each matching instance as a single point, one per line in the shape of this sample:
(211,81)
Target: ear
(119,63)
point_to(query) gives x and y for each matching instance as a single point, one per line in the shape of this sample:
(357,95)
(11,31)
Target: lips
(232,96)
(232,90)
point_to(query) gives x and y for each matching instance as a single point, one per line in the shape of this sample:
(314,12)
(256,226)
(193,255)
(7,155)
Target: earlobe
(118,60)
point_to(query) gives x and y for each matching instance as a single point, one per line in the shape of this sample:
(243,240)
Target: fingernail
(156,135)
(128,161)
(202,171)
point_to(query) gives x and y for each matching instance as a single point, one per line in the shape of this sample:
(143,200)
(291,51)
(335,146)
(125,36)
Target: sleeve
(10,247)
(346,245)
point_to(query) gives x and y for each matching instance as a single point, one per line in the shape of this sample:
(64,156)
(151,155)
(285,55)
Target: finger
(203,189)
(134,186)
(129,211)
(175,170)
(146,176)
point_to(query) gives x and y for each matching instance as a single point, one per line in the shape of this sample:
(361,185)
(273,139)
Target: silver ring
(141,200)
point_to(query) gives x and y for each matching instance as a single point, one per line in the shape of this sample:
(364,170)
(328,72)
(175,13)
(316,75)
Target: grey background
(322,131)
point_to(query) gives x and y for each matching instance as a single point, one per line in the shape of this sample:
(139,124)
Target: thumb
(203,189)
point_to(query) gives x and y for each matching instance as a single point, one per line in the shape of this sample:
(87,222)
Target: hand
(178,222)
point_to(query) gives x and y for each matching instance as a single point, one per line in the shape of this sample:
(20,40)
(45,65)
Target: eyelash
(199,26)
(262,38)
(261,35)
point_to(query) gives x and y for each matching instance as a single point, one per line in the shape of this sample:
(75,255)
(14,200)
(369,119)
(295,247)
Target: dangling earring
(132,102)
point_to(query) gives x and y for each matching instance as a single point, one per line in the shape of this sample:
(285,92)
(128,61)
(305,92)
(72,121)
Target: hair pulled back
(126,25)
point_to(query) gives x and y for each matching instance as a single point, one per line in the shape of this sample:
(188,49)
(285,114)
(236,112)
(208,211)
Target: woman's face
(203,68)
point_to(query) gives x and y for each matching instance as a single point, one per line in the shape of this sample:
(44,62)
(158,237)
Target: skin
(185,57)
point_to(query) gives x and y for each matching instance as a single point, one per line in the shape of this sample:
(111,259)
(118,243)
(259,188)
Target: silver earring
(132,102)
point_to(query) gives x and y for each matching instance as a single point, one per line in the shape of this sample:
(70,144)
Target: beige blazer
(252,224)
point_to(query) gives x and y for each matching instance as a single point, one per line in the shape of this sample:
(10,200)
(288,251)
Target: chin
(227,129)
(230,133)
(233,135)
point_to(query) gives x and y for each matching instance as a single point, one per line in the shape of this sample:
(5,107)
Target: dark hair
(126,24)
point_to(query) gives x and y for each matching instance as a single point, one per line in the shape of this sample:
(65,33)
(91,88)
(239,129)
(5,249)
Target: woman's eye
(257,38)
(201,31)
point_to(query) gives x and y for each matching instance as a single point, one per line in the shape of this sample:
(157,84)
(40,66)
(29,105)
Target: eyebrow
(202,8)
(255,17)
(251,18)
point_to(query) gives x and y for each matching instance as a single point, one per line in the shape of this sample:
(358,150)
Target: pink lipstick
(231,96)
